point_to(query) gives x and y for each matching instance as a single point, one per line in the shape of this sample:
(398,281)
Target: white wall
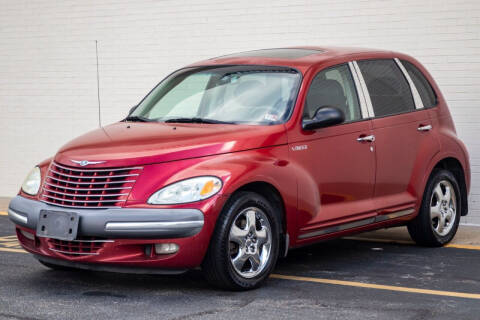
(48,90)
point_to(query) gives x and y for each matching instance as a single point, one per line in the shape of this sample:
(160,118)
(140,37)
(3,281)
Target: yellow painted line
(3,213)
(13,250)
(8,238)
(10,244)
(462,246)
(379,286)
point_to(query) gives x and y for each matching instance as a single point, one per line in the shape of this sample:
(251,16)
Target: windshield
(232,94)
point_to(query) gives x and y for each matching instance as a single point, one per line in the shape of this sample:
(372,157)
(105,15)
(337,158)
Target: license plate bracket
(59,225)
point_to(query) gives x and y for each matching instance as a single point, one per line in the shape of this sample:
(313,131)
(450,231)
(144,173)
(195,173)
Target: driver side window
(333,87)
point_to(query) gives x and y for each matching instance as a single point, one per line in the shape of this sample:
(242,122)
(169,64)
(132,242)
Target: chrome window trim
(368,101)
(358,87)
(416,96)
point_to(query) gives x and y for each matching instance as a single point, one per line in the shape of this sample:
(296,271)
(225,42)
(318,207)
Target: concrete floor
(375,275)
(340,279)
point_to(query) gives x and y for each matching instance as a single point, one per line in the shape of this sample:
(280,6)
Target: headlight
(32,182)
(189,190)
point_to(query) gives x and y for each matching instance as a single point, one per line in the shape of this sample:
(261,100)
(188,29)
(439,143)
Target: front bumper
(126,223)
(122,237)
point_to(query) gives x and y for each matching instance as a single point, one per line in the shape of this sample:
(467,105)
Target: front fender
(270,165)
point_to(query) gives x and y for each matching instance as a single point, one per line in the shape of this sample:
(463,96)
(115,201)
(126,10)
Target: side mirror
(324,117)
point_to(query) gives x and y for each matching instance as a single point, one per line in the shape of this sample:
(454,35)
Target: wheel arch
(270,193)
(273,195)
(455,167)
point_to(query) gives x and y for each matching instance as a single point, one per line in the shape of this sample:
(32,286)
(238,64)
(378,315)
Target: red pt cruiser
(228,163)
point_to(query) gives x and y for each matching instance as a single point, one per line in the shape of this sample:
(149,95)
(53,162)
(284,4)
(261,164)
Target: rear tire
(244,246)
(437,222)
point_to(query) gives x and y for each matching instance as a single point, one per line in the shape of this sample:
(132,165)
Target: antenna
(98,87)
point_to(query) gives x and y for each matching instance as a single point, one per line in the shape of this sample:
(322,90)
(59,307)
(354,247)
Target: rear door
(403,138)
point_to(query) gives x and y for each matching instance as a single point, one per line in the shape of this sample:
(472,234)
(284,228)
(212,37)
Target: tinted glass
(233,94)
(333,87)
(429,98)
(388,88)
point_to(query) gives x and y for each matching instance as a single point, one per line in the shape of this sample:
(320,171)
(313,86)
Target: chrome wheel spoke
(438,192)
(238,235)
(449,214)
(255,261)
(441,224)
(251,221)
(262,236)
(448,194)
(240,259)
(435,211)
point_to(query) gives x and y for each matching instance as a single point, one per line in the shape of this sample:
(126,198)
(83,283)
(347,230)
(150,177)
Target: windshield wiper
(197,120)
(137,119)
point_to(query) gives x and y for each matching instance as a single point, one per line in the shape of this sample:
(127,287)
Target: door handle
(428,127)
(369,138)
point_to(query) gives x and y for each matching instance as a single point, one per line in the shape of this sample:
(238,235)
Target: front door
(336,165)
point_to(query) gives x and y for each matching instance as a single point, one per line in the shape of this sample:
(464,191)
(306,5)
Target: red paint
(335,180)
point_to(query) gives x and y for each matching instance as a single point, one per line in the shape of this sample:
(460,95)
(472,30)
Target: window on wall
(429,98)
(333,87)
(389,90)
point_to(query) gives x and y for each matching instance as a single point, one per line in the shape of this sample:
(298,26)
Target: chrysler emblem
(84,163)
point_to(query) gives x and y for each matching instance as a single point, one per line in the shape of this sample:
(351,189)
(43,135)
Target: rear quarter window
(424,88)
(389,90)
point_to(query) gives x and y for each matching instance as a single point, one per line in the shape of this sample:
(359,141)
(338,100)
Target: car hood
(137,143)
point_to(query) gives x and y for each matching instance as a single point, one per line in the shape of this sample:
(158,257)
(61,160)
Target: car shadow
(332,259)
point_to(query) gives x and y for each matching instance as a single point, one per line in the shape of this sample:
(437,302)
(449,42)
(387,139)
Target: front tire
(244,247)
(439,216)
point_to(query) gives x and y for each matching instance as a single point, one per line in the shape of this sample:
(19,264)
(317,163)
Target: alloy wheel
(443,208)
(250,242)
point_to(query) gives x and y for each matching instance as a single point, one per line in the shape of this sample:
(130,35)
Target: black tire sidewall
(238,203)
(438,176)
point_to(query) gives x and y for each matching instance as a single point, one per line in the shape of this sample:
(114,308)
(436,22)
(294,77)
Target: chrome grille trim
(86,189)
(94,177)
(94,169)
(104,182)
(77,207)
(75,253)
(89,188)
(80,201)
(86,195)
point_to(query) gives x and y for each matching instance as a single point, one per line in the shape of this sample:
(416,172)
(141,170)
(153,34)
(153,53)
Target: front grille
(88,188)
(86,246)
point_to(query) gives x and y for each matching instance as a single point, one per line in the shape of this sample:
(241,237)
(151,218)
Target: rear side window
(429,98)
(388,88)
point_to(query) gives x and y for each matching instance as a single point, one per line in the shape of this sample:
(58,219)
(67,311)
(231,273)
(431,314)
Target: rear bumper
(114,223)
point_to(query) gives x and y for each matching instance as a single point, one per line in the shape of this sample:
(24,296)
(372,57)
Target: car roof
(300,58)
